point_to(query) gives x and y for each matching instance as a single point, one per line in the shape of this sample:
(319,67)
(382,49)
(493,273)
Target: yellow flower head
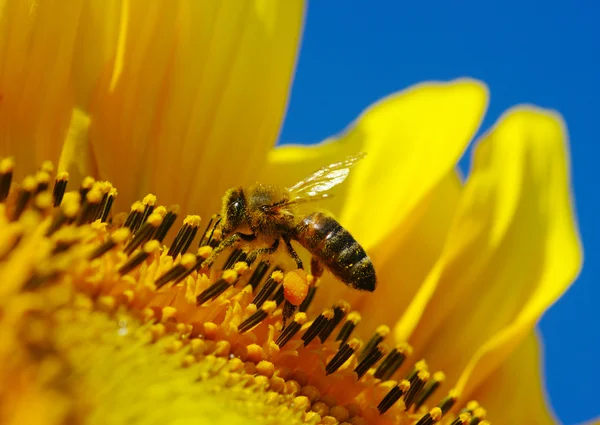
(152,111)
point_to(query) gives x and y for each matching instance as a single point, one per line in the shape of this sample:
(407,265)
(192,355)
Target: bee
(269,213)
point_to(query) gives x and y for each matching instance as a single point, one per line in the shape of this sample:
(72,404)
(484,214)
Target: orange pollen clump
(231,310)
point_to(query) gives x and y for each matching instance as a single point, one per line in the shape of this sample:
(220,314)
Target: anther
(392,362)
(107,202)
(339,311)
(430,418)
(317,326)
(144,234)
(348,327)
(370,359)
(342,355)
(136,260)
(60,186)
(380,333)
(434,384)
(291,329)
(267,309)
(165,226)
(185,236)
(416,385)
(259,273)
(268,288)
(7,166)
(118,236)
(25,193)
(279,296)
(187,262)
(43,201)
(393,396)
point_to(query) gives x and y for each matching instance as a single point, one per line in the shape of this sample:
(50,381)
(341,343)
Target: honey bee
(268,212)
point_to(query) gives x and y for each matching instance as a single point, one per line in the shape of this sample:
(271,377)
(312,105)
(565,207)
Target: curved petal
(511,252)
(195,97)
(514,392)
(37,41)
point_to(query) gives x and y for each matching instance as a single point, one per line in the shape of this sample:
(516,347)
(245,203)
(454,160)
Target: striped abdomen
(335,247)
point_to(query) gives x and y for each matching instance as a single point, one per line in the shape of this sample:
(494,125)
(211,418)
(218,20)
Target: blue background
(545,53)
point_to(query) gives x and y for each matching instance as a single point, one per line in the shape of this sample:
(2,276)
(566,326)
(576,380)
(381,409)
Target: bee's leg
(316,268)
(226,243)
(292,252)
(253,255)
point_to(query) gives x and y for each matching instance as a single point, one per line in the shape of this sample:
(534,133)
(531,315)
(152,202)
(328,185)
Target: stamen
(7,166)
(43,202)
(145,233)
(208,226)
(269,286)
(267,309)
(90,205)
(438,378)
(279,296)
(108,198)
(149,201)
(339,311)
(291,330)
(380,333)
(86,186)
(165,226)
(392,362)
(185,236)
(348,327)
(234,257)
(479,415)
(416,385)
(118,236)
(430,418)
(135,216)
(317,326)
(42,179)
(187,262)
(136,260)
(212,291)
(393,396)
(370,359)
(259,273)
(69,209)
(462,419)
(310,295)
(447,402)
(343,354)
(60,186)
(25,193)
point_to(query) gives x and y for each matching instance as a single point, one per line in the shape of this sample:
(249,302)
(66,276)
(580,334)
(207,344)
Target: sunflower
(149,112)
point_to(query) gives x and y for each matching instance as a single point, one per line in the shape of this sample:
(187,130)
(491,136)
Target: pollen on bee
(295,286)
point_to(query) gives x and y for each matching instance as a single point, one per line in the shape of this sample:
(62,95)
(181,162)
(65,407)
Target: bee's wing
(316,185)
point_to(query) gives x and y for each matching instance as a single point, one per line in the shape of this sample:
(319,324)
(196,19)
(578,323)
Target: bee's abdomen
(335,247)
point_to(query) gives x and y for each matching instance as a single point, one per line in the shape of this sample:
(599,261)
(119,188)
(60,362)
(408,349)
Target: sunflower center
(148,331)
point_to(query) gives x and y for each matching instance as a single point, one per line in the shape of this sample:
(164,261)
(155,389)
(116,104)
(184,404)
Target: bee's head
(234,210)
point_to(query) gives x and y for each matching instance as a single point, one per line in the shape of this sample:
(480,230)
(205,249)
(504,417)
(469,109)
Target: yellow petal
(195,97)
(514,392)
(512,250)
(413,139)
(37,41)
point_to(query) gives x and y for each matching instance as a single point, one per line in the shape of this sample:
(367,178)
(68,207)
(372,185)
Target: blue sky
(546,53)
